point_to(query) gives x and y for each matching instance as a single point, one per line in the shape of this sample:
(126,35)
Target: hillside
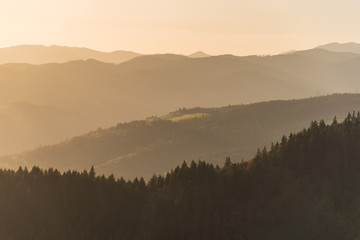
(39,54)
(156,84)
(142,148)
(142,87)
(153,85)
(150,82)
(304,187)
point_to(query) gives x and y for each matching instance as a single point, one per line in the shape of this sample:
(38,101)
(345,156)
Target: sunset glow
(180,26)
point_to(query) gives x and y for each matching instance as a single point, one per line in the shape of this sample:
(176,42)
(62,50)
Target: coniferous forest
(304,187)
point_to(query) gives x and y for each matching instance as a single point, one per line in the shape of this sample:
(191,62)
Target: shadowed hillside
(304,187)
(141,148)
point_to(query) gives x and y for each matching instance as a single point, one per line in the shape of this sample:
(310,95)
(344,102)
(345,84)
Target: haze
(179,119)
(180,26)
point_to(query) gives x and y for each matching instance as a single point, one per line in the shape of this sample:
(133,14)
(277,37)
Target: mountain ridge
(142,148)
(40,54)
(341,47)
(148,85)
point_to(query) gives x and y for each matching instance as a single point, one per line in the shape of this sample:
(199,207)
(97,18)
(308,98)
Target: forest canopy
(303,187)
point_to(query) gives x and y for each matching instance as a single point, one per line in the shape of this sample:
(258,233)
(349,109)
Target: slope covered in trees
(155,145)
(303,187)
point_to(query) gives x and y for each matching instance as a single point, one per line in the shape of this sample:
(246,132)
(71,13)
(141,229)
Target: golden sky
(240,27)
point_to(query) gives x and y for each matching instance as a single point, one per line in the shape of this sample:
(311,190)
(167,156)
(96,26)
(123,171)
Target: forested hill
(304,187)
(155,145)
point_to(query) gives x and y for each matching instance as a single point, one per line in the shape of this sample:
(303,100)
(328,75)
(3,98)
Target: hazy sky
(180,26)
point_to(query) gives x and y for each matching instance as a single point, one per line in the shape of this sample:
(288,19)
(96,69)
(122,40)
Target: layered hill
(145,86)
(159,82)
(153,85)
(157,144)
(39,54)
(304,187)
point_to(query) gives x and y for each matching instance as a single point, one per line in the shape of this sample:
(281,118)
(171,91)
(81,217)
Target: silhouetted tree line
(304,187)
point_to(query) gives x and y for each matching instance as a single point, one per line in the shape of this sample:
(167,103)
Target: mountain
(198,54)
(350,47)
(326,71)
(157,144)
(153,85)
(149,82)
(38,54)
(144,86)
(304,187)
(328,56)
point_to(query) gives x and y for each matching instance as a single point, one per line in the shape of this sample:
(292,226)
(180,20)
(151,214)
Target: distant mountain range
(157,144)
(100,94)
(144,86)
(39,54)
(342,47)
